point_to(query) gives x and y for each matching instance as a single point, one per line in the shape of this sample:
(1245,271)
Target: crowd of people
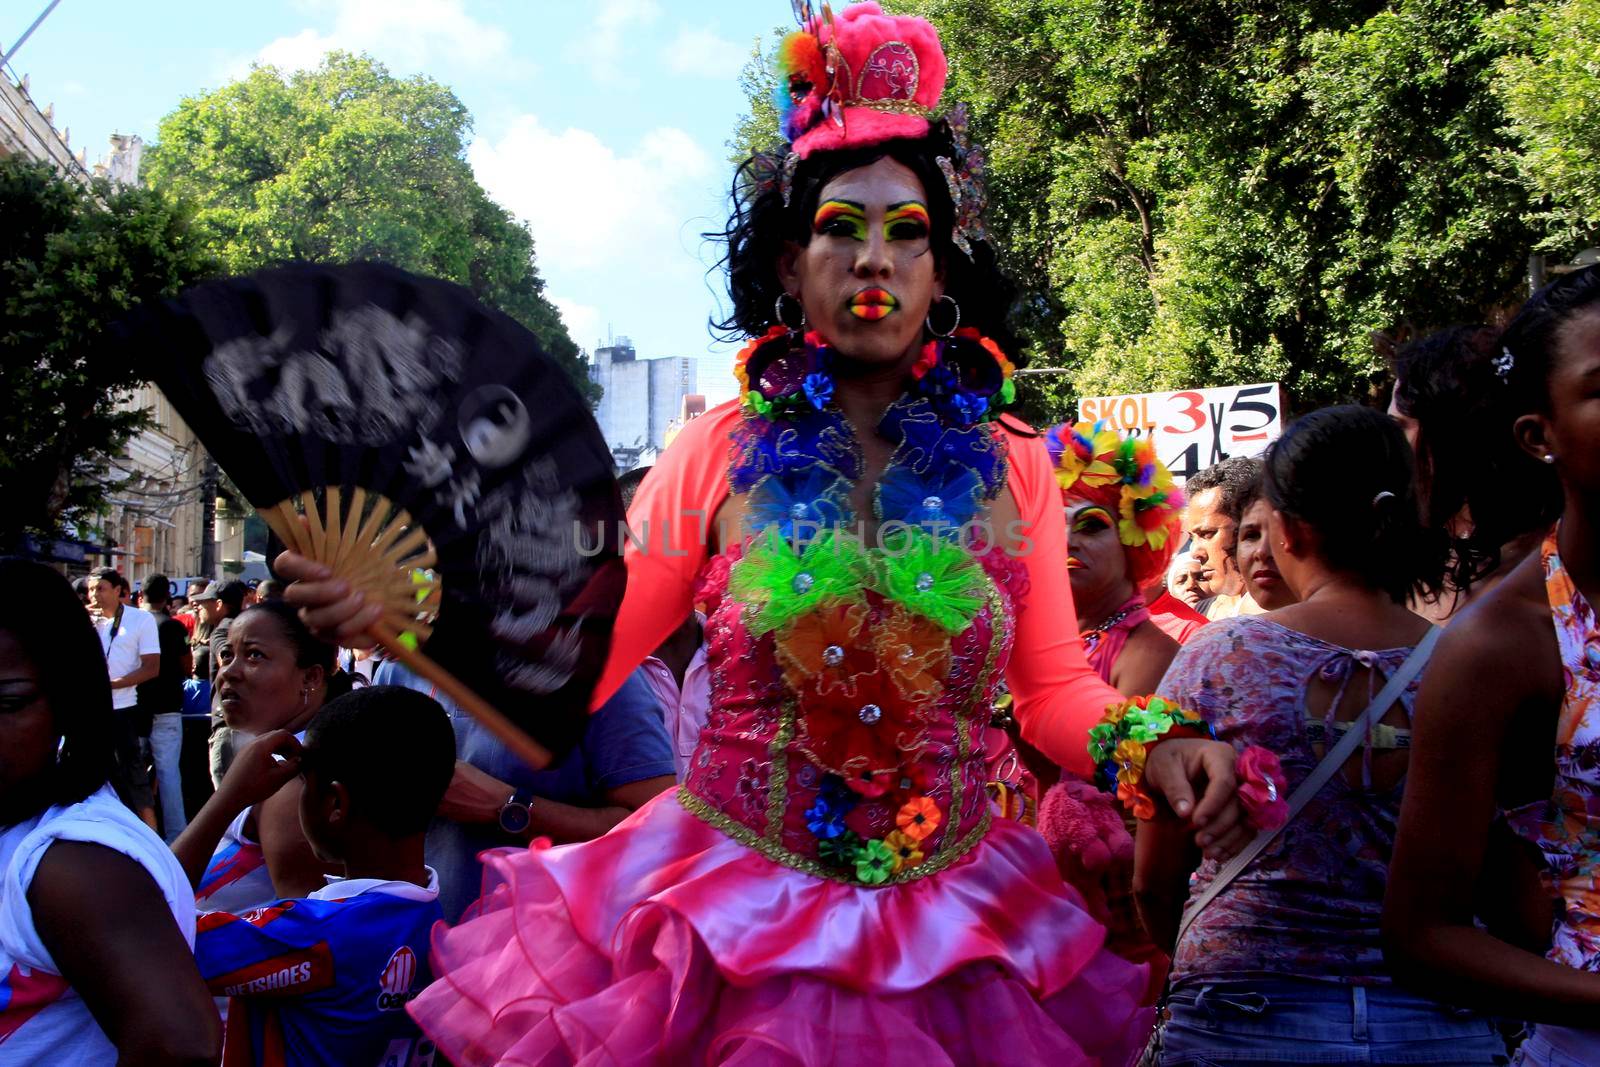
(954,742)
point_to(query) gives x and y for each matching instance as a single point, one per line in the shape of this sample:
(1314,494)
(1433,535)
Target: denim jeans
(1286,1020)
(1560,1046)
(166,745)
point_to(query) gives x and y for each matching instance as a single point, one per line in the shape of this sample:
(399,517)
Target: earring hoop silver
(954,326)
(777,310)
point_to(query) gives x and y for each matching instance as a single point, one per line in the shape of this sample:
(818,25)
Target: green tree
(757,129)
(347,162)
(1549,82)
(73,260)
(1209,192)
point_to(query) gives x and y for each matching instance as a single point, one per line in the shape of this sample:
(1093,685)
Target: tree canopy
(1218,191)
(73,260)
(347,162)
(1549,83)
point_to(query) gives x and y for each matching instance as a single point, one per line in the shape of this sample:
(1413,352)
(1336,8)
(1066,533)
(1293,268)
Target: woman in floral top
(1286,964)
(1515,682)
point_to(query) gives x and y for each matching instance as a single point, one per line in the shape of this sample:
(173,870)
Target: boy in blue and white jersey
(325,979)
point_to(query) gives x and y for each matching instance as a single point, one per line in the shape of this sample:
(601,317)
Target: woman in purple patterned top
(1286,962)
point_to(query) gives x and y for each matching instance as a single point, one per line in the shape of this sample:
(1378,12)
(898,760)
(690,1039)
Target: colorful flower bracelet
(1120,743)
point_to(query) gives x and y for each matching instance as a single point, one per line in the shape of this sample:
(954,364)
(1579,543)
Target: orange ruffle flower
(919,818)
(915,652)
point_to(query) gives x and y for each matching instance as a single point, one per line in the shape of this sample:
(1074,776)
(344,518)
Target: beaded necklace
(864,692)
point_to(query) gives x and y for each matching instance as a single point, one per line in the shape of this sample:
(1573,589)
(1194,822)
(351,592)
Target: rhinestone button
(832,656)
(870,714)
(802,583)
(924,582)
(797,511)
(932,503)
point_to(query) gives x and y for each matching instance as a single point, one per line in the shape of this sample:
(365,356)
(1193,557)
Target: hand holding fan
(427,451)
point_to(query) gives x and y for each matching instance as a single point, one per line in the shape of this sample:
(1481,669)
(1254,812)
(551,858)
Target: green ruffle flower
(781,584)
(874,863)
(931,577)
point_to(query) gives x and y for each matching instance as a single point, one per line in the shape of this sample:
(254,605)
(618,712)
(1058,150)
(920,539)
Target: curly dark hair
(1447,382)
(760,225)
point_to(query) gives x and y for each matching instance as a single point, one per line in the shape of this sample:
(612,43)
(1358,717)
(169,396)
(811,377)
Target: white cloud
(582,321)
(408,34)
(603,47)
(700,52)
(590,205)
(302,51)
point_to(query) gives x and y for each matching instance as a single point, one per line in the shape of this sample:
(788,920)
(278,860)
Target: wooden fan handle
(509,734)
(298,532)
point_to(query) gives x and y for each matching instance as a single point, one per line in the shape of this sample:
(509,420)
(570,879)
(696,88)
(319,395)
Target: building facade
(641,399)
(157,518)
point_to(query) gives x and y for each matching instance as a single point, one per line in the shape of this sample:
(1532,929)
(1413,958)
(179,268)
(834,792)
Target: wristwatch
(516,814)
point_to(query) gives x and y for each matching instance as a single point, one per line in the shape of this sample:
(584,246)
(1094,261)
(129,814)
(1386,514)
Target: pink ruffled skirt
(667,942)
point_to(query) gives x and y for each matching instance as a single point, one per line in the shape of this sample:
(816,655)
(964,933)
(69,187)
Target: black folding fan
(426,449)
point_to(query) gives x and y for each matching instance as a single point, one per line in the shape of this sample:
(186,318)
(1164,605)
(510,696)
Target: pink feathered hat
(858,79)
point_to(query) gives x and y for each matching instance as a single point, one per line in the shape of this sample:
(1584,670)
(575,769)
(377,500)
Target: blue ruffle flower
(801,505)
(819,389)
(941,501)
(825,819)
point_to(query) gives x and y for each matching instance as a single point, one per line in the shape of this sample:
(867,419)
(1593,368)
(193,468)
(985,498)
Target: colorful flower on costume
(932,578)
(915,652)
(826,649)
(919,818)
(875,862)
(799,506)
(873,729)
(907,849)
(781,583)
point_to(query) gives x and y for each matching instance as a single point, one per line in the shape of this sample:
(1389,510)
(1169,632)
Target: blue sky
(602,124)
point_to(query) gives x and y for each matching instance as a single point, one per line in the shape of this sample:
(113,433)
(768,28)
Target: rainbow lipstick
(873,304)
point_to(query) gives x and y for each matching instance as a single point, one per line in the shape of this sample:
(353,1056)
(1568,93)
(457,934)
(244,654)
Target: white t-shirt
(137,636)
(42,1021)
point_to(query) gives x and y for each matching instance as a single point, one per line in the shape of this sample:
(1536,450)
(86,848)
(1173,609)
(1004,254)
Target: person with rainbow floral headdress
(876,550)
(1125,520)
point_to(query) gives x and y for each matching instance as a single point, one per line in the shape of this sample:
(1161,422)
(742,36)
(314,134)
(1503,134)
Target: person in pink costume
(860,529)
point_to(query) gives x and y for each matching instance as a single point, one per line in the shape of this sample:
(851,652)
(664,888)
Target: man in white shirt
(131,644)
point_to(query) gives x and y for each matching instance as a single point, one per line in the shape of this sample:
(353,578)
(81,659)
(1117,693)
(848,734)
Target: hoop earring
(928,322)
(777,311)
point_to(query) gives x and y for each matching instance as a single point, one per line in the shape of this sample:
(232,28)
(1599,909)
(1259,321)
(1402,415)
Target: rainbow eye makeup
(1092,518)
(841,218)
(906,222)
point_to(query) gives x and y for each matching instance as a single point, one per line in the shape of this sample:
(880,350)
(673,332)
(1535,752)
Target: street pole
(208,519)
